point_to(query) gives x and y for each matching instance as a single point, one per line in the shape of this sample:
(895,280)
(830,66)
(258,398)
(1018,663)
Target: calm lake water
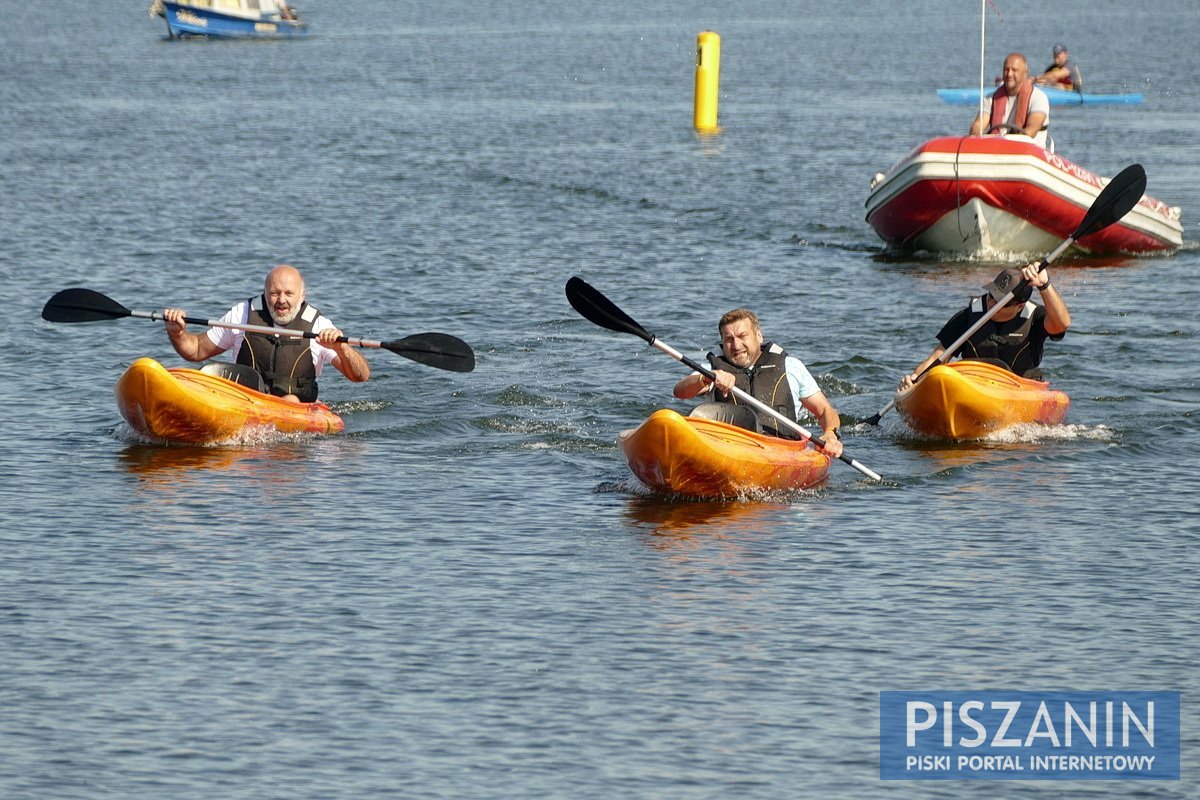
(467,595)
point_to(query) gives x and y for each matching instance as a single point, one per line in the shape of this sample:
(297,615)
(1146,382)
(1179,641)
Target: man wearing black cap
(1015,334)
(1062,74)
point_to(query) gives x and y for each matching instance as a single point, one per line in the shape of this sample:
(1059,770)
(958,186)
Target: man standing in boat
(1062,73)
(1015,334)
(767,373)
(1017,106)
(288,365)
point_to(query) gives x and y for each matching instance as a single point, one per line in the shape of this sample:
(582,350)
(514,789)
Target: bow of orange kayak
(971,399)
(186,405)
(706,458)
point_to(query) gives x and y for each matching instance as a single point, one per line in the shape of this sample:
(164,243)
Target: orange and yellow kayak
(970,399)
(187,405)
(705,458)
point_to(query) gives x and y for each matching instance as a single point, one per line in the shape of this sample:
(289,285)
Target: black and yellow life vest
(766,381)
(1008,343)
(285,362)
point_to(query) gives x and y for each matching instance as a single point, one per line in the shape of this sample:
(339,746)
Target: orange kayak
(970,399)
(187,405)
(705,458)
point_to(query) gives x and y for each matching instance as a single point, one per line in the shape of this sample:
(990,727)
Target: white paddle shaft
(763,407)
(216,323)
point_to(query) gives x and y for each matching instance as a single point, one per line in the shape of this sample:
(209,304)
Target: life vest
(766,381)
(1000,100)
(285,362)
(1006,343)
(1067,83)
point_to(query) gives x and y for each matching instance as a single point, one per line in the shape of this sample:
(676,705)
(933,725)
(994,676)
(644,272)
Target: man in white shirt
(1017,106)
(288,365)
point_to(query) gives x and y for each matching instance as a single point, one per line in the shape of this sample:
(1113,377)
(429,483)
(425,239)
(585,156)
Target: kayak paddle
(1115,201)
(439,350)
(596,308)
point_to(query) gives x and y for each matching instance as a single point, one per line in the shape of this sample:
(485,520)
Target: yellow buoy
(708,74)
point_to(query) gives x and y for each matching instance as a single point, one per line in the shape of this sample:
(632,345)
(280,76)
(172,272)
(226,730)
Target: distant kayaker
(288,365)
(1062,72)
(767,373)
(1017,106)
(1014,336)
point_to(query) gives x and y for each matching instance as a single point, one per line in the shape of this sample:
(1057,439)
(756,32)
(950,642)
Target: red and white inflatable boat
(1004,195)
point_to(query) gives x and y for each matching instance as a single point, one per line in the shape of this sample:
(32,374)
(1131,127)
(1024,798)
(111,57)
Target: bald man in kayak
(1017,106)
(764,371)
(288,365)
(1015,335)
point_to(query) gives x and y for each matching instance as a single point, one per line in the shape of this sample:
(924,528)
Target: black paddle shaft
(440,350)
(1114,201)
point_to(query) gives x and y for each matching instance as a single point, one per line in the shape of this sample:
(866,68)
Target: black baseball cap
(1009,280)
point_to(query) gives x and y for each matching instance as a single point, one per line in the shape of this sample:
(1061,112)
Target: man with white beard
(288,365)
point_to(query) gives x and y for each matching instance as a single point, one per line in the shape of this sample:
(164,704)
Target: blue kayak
(1058,97)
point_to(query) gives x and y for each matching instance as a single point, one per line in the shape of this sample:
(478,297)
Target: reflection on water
(933,265)
(1026,438)
(266,472)
(710,142)
(954,455)
(175,465)
(679,520)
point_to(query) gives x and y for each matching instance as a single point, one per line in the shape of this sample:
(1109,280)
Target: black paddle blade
(82,305)
(596,308)
(1115,201)
(439,350)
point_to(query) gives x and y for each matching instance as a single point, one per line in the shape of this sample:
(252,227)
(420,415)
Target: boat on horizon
(1005,195)
(269,19)
(1057,97)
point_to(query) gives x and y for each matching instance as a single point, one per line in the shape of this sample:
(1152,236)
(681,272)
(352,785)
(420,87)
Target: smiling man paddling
(289,366)
(764,371)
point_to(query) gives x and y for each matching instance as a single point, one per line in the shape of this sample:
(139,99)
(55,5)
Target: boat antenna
(982,40)
(983,4)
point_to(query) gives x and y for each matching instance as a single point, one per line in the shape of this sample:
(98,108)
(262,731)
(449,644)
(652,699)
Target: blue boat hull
(185,20)
(1058,97)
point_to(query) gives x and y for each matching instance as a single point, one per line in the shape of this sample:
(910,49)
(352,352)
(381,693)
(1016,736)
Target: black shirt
(1018,342)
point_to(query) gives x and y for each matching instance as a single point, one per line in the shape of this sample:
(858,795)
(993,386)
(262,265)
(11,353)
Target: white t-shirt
(230,339)
(1038,102)
(798,377)
(801,380)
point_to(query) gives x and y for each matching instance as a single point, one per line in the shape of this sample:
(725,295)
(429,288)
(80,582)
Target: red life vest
(1067,83)
(1000,105)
